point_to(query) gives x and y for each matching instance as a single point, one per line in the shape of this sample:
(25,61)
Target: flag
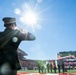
(58,56)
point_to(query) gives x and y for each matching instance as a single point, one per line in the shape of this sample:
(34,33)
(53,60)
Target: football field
(33,72)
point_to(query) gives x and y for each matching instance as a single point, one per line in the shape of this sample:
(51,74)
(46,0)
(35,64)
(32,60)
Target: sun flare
(30,18)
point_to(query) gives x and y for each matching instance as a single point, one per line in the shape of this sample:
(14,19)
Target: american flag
(59,57)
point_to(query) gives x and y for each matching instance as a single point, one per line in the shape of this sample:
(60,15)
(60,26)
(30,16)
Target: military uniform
(51,67)
(45,67)
(39,67)
(54,68)
(9,43)
(59,68)
(48,67)
(63,67)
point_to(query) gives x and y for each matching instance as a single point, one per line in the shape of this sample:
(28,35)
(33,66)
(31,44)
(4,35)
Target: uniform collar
(8,29)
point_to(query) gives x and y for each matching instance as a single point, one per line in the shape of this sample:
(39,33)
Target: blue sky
(55,29)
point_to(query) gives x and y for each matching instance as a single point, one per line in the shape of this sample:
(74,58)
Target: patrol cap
(8,21)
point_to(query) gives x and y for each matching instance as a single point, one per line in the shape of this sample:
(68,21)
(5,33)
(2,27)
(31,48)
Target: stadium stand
(67,53)
(68,58)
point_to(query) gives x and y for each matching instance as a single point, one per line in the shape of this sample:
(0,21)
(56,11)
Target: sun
(30,18)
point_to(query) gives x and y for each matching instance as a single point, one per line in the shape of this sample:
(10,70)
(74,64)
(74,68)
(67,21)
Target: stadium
(30,66)
(68,58)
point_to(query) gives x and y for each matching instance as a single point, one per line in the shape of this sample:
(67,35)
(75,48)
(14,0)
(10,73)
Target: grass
(36,71)
(71,71)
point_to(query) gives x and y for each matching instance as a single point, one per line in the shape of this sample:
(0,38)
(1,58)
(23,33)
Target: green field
(36,71)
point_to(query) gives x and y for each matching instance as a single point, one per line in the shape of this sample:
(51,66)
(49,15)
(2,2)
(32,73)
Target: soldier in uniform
(42,68)
(39,67)
(45,68)
(48,67)
(58,64)
(63,67)
(54,68)
(10,39)
(59,68)
(51,67)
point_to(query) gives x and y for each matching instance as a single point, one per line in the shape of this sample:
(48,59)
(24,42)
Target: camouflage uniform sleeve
(27,36)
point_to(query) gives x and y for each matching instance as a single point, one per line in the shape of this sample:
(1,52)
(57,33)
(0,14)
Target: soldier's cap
(9,20)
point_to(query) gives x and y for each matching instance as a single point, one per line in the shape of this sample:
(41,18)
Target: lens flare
(30,18)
